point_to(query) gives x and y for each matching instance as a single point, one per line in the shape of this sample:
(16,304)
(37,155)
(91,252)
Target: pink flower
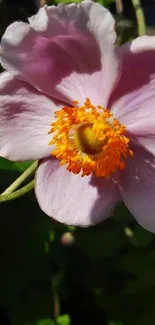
(66,54)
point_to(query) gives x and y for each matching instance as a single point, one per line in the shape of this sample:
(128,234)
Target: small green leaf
(63,320)
(45,322)
(142,237)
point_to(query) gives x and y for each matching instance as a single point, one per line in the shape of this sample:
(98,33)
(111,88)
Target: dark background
(53,274)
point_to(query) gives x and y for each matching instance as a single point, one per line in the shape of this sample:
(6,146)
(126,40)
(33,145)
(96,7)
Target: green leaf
(9,165)
(142,237)
(63,320)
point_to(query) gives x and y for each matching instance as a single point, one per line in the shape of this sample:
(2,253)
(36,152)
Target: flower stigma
(89,139)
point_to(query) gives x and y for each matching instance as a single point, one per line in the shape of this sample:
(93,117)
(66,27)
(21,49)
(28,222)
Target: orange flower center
(88,139)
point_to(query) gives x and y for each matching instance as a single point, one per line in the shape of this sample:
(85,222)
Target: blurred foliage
(51,274)
(105,3)
(56,275)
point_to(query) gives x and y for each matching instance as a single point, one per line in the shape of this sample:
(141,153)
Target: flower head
(85,108)
(90,140)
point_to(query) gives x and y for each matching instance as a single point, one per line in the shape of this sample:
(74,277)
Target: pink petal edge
(133,101)
(60,63)
(137,187)
(72,199)
(25,118)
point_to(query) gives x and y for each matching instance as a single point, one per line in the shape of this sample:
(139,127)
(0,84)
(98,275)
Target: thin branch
(18,193)
(140,17)
(28,172)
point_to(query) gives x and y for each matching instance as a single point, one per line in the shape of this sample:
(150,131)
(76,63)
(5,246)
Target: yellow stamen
(89,140)
(86,140)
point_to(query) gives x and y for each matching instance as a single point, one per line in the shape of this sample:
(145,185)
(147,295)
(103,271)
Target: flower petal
(25,118)
(137,187)
(69,53)
(72,199)
(133,101)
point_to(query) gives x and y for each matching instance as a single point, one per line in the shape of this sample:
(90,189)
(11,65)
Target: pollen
(89,139)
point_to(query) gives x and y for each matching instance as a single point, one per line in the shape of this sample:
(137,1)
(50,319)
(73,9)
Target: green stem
(18,193)
(119,7)
(56,312)
(140,17)
(119,16)
(28,172)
